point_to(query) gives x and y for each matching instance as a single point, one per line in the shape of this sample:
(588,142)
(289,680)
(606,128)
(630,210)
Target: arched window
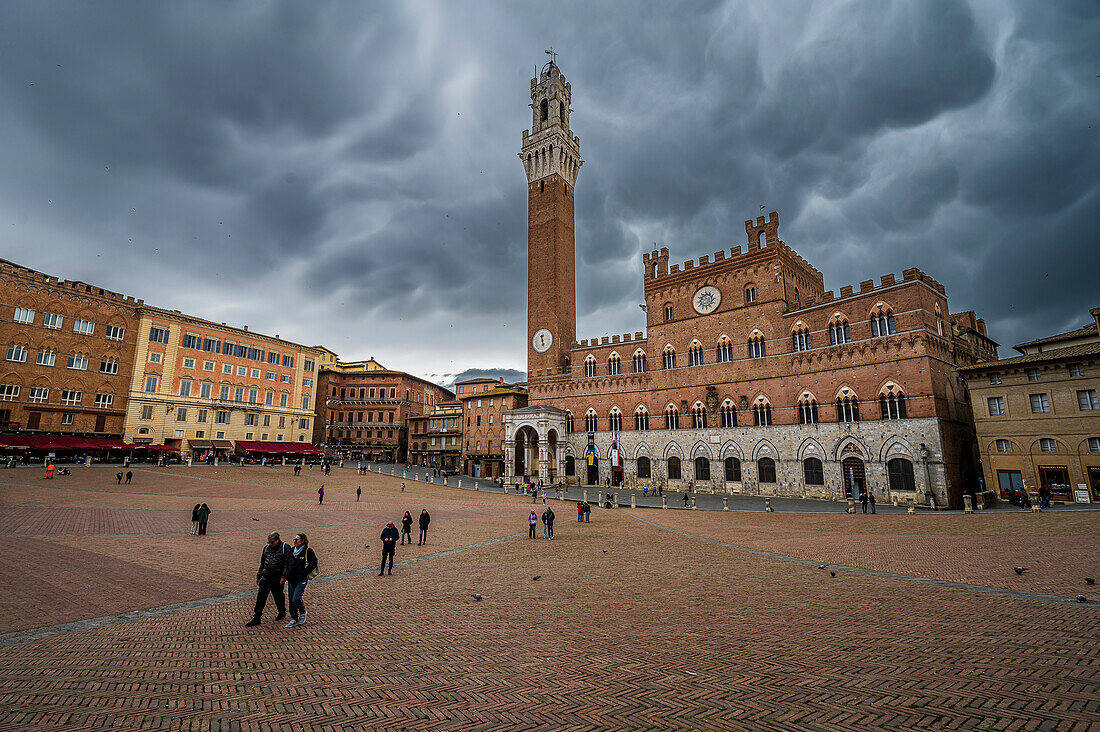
(839,332)
(813,472)
(570,465)
(590,420)
(847,408)
(641,418)
(568,421)
(670,357)
(761,413)
(800,337)
(614,365)
(668,311)
(695,354)
(639,362)
(750,294)
(729,414)
(643,467)
(765,468)
(807,409)
(725,350)
(702,468)
(698,416)
(590,366)
(900,473)
(733,469)
(892,402)
(672,417)
(763,239)
(615,420)
(674,468)
(882,322)
(544,108)
(757,345)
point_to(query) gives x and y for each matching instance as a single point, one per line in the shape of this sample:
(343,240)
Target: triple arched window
(729,414)
(672,418)
(847,408)
(807,410)
(800,337)
(698,416)
(670,357)
(725,350)
(892,402)
(639,362)
(757,346)
(614,365)
(695,354)
(615,420)
(641,418)
(590,366)
(591,422)
(882,322)
(761,413)
(839,332)
(568,421)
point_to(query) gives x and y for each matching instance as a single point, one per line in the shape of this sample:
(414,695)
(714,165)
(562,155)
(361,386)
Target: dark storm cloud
(345,173)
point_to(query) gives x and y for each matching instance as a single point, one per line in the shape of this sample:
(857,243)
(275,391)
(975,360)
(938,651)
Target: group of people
(867,498)
(282,564)
(200,514)
(390,536)
(547,523)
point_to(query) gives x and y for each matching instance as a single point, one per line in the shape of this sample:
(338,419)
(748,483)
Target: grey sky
(346,173)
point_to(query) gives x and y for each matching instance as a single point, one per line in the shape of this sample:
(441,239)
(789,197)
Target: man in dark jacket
(269,577)
(425,519)
(550,521)
(389,546)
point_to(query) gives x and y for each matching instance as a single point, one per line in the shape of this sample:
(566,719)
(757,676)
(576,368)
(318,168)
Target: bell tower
(551,157)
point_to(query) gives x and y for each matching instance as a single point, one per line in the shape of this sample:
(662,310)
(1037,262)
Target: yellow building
(200,388)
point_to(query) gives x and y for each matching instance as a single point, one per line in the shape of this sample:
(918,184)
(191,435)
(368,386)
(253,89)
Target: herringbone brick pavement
(630,626)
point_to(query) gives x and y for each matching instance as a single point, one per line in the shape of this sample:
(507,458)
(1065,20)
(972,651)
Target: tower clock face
(542,341)
(706,299)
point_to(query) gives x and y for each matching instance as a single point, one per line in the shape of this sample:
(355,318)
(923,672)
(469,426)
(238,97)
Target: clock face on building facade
(706,299)
(542,341)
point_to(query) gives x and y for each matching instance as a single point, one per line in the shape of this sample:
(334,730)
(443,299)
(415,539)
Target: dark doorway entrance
(854,480)
(594,471)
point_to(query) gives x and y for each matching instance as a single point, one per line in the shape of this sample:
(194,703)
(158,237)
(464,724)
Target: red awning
(23,441)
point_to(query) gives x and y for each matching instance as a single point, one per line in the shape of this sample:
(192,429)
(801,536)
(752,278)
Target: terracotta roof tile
(1058,354)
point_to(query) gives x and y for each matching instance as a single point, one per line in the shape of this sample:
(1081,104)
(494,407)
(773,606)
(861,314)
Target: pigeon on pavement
(537,577)
(1019,570)
(1090,580)
(477,596)
(822,566)
(1082,598)
(832,574)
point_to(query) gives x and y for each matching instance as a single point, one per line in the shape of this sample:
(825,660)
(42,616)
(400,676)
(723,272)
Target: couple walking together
(282,564)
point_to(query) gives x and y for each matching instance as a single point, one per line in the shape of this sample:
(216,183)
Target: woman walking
(300,566)
(532,522)
(406,528)
(204,516)
(194,515)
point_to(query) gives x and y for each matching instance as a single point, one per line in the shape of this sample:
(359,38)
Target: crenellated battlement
(868,286)
(27,274)
(625,338)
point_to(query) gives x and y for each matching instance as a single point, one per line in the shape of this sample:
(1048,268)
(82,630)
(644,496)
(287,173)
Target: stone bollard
(910,506)
(615,500)
(633,504)
(404,474)
(505,489)
(968,504)
(586,496)
(693,503)
(725,504)
(460,482)
(851,505)
(664,501)
(768,505)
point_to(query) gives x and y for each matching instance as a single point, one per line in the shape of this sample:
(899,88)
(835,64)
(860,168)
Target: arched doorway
(855,481)
(526,450)
(593,477)
(617,469)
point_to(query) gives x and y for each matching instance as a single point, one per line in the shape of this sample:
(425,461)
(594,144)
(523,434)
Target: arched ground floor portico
(896,460)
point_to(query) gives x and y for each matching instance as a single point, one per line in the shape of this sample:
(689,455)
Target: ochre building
(1037,415)
(68,352)
(750,375)
(363,408)
(484,403)
(203,388)
(435,439)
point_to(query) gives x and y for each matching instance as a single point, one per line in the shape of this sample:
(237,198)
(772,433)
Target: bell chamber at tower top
(549,148)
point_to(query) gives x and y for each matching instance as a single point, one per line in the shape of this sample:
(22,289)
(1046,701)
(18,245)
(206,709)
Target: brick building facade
(435,439)
(484,402)
(750,376)
(69,350)
(363,407)
(1037,415)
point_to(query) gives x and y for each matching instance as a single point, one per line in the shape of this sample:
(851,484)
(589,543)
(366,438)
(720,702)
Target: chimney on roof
(246,328)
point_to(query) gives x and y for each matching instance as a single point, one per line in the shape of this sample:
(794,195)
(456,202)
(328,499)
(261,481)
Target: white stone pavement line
(1003,592)
(51,631)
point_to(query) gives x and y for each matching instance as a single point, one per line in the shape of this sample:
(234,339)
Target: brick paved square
(642,619)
